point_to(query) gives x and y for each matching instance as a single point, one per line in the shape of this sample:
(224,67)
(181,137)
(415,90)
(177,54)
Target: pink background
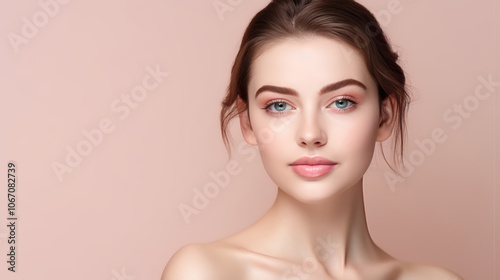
(115,215)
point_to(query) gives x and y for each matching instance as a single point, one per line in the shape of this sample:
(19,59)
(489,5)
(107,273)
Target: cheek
(355,136)
(272,150)
(274,138)
(267,137)
(271,132)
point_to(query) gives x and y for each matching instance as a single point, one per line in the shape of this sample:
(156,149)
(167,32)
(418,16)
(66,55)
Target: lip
(312,167)
(316,160)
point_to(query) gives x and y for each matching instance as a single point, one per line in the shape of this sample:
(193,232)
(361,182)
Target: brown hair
(344,20)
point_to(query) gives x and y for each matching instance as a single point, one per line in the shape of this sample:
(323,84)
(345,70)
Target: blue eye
(279,107)
(343,103)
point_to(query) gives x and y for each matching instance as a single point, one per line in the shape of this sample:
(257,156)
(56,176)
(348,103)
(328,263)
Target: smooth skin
(316,229)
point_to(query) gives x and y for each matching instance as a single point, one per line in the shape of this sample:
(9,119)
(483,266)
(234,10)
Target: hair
(343,20)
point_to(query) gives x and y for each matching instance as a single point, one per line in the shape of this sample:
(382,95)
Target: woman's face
(294,113)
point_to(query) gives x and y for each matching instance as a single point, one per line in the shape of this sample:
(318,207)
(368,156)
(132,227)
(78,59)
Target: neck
(332,232)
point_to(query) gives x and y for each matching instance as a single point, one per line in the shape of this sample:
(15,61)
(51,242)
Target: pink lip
(312,167)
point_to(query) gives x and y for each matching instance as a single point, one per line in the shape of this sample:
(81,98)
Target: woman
(315,85)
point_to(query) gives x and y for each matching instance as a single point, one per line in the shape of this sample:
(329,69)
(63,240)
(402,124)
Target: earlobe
(246,128)
(386,123)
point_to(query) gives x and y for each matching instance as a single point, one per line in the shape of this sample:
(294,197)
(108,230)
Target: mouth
(312,167)
(316,160)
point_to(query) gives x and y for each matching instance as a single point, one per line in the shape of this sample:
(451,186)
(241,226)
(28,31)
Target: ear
(387,120)
(246,128)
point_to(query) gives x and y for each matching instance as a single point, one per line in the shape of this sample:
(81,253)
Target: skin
(316,229)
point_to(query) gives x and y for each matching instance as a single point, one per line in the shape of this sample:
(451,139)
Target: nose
(311,132)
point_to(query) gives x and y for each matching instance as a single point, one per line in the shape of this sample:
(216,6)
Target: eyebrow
(325,89)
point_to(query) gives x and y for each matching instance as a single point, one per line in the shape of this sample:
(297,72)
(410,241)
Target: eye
(344,104)
(278,106)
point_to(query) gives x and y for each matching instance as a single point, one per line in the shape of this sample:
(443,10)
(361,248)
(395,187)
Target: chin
(315,191)
(320,189)
(312,198)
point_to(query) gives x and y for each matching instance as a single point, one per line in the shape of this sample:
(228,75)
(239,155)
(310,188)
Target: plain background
(116,214)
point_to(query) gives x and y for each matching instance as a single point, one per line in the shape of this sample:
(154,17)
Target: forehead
(308,64)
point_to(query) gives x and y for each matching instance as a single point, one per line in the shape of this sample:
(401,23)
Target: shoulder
(197,261)
(415,271)
(191,262)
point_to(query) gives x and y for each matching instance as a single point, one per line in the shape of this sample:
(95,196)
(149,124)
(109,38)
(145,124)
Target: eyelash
(271,103)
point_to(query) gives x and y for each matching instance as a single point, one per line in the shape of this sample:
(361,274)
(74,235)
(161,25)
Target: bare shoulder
(191,261)
(415,271)
(198,261)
